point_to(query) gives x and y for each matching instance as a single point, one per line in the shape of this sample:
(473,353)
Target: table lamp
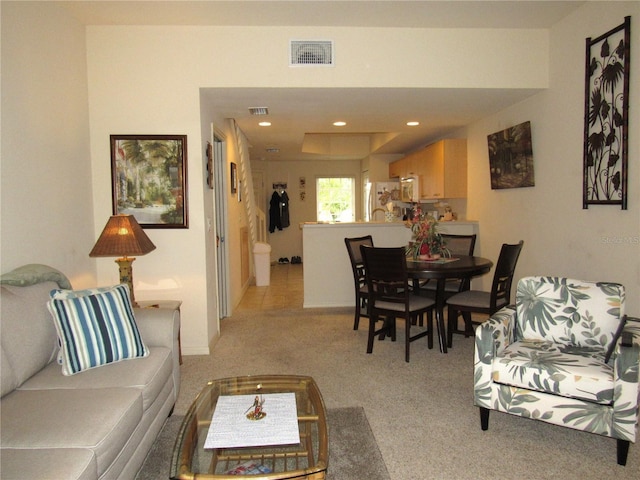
(123,236)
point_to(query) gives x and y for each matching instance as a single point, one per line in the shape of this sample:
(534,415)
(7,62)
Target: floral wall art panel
(606,118)
(511,157)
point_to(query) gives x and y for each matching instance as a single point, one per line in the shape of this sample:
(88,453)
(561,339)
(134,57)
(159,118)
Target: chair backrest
(460,244)
(387,276)
(355,256)
(569,312)
(503,275)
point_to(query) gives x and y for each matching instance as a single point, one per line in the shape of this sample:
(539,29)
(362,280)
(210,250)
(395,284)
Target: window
(335,199)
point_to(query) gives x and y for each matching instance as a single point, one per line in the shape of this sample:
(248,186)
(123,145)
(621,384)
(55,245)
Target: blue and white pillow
(95,327)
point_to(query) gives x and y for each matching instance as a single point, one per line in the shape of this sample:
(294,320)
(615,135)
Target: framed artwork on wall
(511,157)
(606,118)
(149,179)
(234,178)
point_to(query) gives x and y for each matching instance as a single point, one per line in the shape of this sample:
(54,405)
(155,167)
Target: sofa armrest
(492,337)
(159,327)
(626,377)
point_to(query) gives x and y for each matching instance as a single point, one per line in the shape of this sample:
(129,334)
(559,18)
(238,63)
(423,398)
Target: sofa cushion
(101,420)
(76,463)
(29,340)
(95,327)
(556,369)
(148,375)
(569,312)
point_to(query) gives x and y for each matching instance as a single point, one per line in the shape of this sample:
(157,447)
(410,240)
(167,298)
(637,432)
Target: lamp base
(126,275)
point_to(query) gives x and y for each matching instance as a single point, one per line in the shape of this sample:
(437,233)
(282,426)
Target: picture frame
(606,118)
(511,157)
(149,179)
(234,178)
(209,165)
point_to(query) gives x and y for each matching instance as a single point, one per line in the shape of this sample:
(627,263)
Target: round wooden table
(459,266)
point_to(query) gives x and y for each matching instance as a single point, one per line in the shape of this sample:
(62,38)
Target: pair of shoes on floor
(296,260)
(283,260)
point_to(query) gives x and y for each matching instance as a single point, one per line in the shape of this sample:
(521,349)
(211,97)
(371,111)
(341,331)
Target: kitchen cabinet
(440,167)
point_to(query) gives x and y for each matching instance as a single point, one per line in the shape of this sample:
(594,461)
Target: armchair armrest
(492,337)
(626,377)
(158,327)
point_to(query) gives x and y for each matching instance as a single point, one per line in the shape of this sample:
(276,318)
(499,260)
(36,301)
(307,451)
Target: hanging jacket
(274,213)
(284,210)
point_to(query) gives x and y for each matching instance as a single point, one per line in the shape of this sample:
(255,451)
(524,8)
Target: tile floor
(286,290)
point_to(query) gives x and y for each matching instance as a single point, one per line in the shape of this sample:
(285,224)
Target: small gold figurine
(257,413)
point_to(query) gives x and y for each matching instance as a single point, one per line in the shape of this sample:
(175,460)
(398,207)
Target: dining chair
(359,281)
(457,245)
(390,297)
(476,301)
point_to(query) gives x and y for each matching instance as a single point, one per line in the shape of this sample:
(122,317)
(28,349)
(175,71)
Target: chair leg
(468,326)
(484,418)
(452,320)
(407,340)
(623,450)
(430,329)
(372,333)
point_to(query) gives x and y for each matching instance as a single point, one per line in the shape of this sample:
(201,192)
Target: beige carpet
(421,413)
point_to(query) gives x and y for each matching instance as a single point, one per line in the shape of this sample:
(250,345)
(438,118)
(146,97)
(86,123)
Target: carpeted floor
(421,413)
(348,428)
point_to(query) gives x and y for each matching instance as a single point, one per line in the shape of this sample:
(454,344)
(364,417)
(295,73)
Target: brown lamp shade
(122,236)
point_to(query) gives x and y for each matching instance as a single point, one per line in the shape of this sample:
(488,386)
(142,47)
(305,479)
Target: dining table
(457,266)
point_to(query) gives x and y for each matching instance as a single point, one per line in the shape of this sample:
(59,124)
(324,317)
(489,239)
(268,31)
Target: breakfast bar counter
(328,280)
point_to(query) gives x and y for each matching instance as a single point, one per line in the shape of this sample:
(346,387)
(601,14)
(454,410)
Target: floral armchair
(565,354)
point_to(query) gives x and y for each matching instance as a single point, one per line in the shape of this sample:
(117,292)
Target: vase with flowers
(426,243)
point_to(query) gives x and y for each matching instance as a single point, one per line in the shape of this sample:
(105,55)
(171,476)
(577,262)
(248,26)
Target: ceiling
(376,118)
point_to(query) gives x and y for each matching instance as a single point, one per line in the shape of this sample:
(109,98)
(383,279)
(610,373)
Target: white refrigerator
(379,195)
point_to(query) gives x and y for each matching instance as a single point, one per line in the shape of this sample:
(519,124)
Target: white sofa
(96,424)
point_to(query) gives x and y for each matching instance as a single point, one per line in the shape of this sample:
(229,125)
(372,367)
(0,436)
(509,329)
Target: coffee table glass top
(306,459)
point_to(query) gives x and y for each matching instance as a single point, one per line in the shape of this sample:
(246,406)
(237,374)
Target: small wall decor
(149,179)
(209,165)
(234,178)
(302,185)
(606,118)
(511,157)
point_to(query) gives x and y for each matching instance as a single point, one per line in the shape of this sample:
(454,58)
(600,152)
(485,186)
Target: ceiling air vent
(311,52)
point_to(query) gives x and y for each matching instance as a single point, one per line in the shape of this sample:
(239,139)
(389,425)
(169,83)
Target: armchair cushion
(544,366)
(570,312)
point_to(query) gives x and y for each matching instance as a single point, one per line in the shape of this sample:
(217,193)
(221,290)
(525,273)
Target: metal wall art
(511,157)
(149,179)
(606,118)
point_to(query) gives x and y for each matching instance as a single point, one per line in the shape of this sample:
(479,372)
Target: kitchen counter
(328,280)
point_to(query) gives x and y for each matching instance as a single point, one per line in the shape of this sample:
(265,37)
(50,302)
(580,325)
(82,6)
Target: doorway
(222,225)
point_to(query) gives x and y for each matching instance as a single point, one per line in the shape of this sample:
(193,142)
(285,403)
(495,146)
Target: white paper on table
(230,427)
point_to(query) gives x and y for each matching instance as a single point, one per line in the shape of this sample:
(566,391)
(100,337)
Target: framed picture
(209,166)
(511,157)
(149,179)
(234,178)
(606,118)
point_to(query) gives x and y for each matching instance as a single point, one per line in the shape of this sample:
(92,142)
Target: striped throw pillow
(95,327)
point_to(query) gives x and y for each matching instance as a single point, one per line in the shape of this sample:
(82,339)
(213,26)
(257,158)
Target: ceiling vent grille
(311,53)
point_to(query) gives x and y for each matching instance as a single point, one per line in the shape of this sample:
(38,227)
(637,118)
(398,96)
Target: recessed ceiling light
(265,124)
(339,124)
(273,150)
(413,124)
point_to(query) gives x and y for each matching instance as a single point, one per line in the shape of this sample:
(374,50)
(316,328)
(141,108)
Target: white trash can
(262,259)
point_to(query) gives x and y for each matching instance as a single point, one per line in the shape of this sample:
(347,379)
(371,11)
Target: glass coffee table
(306,459)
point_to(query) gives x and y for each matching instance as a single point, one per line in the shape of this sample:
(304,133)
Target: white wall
(47,214)
(601,243)
(146,79)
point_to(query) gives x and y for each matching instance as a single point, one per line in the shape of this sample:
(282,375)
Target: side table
(168,304)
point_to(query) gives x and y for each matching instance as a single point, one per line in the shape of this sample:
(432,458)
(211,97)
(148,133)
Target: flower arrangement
(426,242)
